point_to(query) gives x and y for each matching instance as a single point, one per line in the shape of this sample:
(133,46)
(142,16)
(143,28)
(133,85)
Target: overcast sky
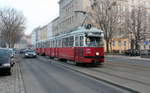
(37,12)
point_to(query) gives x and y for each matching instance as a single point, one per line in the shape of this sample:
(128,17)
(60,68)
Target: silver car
(30,54)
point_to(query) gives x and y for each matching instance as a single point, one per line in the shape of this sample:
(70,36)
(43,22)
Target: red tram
(80,46)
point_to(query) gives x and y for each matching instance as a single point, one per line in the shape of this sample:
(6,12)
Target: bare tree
(12,26)
(105,14)
(136,24)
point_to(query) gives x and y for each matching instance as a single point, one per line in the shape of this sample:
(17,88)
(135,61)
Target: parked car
(132,52)
(5,61)
(30,54)
(23,51)
(11,52)
(145,53)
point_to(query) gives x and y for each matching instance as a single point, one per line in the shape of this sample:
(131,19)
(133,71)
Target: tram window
(67,42)
(81,40)
(64,42)
(71,41)
(45,44)
(53,43)
(49,44)
(76,41)
(59,43)
(94,41)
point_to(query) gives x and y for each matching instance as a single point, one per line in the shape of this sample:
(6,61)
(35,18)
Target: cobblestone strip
(20,78)
(13,83)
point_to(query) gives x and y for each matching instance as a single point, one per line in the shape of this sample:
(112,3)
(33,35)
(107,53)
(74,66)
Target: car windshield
(4,53)
(30,51)
(94,42)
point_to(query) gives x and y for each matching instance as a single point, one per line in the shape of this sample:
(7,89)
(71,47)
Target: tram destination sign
(94,34)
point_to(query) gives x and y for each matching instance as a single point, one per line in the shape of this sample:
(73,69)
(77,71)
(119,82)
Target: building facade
(49,30)
(68,18)
(122,39)
(43,33)
(55,26)
(35,36)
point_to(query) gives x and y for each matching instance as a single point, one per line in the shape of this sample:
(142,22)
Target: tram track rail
(70,67)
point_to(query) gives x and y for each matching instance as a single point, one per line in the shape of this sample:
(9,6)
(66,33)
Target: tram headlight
(97,53)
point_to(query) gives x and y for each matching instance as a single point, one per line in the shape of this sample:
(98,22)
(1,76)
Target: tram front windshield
(94,41)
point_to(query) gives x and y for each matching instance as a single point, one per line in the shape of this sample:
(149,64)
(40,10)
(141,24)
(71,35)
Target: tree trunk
(107,46)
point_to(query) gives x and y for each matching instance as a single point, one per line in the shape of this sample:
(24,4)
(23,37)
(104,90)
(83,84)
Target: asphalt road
(45,77)
(128,60)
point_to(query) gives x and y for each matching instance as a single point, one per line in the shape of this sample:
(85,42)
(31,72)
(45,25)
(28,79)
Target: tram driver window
(94,41)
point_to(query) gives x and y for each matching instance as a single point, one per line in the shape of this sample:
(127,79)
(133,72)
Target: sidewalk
(13,83)
(129,57)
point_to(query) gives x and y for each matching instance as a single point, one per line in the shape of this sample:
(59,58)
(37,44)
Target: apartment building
(49,30)
(122,39)
(35,36)
(43,33)
(55,26)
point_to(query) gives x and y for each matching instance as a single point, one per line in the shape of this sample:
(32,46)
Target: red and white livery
(83,45)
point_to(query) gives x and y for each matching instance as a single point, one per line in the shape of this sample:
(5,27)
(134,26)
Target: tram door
(78,48)
(76,57)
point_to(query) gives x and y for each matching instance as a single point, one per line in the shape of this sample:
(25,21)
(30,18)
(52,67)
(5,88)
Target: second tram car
(80,46)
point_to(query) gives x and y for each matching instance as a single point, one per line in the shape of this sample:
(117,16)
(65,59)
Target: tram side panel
(52,52)
(66,53)
(57,52)
(46,51)
(37,50)
(42,51)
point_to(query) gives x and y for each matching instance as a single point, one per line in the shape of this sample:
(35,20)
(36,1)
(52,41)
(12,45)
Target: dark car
(5,61)
(132,52)
(22,51)
(30,54)
(11,52)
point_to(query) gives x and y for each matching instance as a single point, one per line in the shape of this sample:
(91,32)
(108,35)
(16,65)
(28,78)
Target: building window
(119,43)
(125,43)
(114,43)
